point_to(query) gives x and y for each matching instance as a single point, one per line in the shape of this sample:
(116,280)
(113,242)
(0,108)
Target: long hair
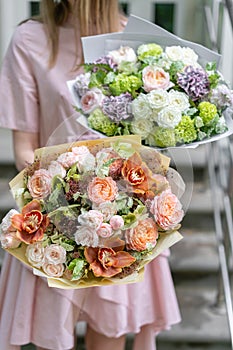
(89,17)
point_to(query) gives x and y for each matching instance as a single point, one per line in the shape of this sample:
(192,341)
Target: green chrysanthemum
(185,131)
(100,122)
(161,137)
(207,112)
(125,83)
(149,50)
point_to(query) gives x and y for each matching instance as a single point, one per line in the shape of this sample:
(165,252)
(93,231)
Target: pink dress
(35,99)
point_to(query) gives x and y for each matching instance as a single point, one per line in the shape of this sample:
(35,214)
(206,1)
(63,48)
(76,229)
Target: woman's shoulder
(28,33)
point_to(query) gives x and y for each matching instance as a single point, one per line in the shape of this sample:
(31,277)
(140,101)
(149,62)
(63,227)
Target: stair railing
(220,170)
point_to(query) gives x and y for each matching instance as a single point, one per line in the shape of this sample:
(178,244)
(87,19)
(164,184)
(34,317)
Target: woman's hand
(24,144)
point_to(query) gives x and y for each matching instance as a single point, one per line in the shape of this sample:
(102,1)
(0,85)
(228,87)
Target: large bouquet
(92,212)
(161,92)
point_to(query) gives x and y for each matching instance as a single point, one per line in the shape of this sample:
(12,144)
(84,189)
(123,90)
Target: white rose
(174,53)
(169,117)
(142,127)
(92,218)
(53,270)
(158,99)
(55,254)
(189,56)
(86,236)
(123,54)
(5,226)
(178,100)
(86,164)
(108,209)
(56,169)
(141,107)
(35,254)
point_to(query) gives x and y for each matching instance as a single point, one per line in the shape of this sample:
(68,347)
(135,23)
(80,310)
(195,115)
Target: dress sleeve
(19,105)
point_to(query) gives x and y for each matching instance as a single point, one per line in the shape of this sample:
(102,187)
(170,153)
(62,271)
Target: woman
(35,103)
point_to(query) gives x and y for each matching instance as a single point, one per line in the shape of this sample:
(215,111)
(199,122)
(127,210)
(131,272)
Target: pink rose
(105,230)
(116,222)
(67,159)
(155,78)
(167,210)
(35,254)
(91,100)
(39,184)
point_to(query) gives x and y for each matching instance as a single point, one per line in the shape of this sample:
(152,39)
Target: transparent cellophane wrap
(165,241)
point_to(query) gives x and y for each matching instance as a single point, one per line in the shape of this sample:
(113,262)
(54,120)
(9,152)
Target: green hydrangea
(125,83)
(161,137)
(207,112)
(97,120)
(185,131)
(149,50)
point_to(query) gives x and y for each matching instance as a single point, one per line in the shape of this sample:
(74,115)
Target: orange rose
(138,175)
(143,236)
(102,189)
(31,223)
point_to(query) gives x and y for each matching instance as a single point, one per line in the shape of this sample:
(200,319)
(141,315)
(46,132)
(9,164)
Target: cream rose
(141,107)
(35,254)
(178,100)
(56,169)
(158,99)
(108,209)
(141,126)
(92,218)
(86,236)
(53,270)
(55,254)
(9,241)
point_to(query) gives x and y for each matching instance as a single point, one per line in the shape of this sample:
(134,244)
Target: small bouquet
(160,92)
(92,212)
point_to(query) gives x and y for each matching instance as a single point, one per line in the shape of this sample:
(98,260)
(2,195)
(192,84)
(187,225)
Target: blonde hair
(89,17)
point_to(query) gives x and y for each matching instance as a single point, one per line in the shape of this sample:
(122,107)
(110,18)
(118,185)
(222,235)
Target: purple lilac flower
(105,60)
(117,108)
(222,97)
(195,82)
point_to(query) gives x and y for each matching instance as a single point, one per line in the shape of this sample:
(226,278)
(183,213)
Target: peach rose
(155,78)
(143,236)
(167,210)
(91,100)
(102,189)
(39,184)
(55,254)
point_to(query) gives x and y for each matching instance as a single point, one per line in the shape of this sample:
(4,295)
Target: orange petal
(122,259)
(17,221)
(91,254)
(116,244)
(99,271)
(33,205)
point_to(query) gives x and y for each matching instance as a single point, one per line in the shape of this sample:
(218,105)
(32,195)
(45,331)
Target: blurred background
(201,263)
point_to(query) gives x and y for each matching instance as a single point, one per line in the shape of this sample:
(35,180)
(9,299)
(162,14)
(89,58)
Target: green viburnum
(125,83)
(149,50)
(161,137)
(100,122)
(207,112)
(185,131)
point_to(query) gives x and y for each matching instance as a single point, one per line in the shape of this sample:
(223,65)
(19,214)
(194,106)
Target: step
(195,253)
(202,321)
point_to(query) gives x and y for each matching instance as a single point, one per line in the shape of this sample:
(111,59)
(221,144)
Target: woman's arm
(24,144)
